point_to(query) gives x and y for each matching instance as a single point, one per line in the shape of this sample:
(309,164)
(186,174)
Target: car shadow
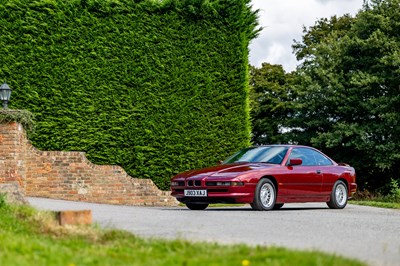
(310,206)
(302,208)
(280,210)
(248,208)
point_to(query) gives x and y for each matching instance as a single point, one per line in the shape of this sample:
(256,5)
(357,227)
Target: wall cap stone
(12,192)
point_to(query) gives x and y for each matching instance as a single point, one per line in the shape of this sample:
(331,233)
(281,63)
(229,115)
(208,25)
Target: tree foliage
(344,96)
(156,87)
(350,89)
(272,103)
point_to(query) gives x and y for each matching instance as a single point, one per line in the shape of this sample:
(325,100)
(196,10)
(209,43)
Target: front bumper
(239,194)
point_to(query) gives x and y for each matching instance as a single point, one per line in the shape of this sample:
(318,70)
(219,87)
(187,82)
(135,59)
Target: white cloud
(283,22)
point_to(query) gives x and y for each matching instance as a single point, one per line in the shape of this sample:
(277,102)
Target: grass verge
(31,237)
(380,204)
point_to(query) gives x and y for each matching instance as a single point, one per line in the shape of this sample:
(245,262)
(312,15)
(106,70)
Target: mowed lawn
(31,237)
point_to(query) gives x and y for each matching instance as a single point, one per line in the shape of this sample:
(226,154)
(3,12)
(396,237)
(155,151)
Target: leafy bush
(394,194)
(157,87)
(391,193)
(23,117)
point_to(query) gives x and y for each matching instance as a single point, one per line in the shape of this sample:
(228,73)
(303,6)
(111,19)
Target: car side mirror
(295,161)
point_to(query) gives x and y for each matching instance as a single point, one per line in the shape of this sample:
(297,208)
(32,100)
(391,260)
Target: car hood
(225,170)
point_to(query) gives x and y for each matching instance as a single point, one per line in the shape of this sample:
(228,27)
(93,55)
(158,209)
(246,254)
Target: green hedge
(157,87)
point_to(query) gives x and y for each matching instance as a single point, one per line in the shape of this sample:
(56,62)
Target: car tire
(278,206)
(339,196)
(264,196)
(197,206)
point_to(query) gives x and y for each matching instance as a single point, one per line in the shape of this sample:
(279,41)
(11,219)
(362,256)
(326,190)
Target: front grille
(196,183)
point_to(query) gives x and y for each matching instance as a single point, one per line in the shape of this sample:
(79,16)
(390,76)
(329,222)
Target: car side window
(299,153)
(321,159)
(309,157)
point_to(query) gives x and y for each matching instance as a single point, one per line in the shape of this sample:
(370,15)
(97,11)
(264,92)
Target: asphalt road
(366,233)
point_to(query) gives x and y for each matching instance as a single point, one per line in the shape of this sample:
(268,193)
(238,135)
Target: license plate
(196,193)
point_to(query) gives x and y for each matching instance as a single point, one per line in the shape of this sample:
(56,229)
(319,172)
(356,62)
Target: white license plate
(195,192)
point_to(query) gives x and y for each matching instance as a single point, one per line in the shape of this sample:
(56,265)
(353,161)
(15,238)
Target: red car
(268,177)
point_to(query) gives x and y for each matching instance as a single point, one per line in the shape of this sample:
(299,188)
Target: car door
(304,180)
(327,168)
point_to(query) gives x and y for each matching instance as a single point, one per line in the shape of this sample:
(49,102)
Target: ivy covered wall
(156,87)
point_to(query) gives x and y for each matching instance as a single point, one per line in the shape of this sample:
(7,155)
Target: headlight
(230,183)
(174,184)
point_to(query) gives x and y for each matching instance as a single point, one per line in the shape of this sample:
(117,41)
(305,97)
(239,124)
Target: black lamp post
(5,94)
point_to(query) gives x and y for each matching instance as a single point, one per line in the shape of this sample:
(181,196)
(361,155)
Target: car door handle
(318,171)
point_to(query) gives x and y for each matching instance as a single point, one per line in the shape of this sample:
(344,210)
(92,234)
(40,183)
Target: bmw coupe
(267,177)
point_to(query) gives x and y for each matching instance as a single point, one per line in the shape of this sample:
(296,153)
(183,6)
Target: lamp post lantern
(5,94)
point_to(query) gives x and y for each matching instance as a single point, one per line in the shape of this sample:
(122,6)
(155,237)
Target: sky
(283,21)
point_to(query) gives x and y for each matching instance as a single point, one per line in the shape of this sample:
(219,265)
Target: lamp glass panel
(5,95)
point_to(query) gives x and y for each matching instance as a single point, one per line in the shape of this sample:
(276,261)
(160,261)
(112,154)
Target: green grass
(30,237)
(373,203)
(390,200)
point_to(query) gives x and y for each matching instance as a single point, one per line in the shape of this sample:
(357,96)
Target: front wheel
(197,206)
(264,196)
(338,196)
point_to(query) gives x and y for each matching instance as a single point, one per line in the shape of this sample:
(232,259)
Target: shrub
(23,117)
(394,194)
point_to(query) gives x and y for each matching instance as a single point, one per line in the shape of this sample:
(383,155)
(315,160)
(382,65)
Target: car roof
(283,145)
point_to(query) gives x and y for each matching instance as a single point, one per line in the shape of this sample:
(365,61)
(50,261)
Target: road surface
(365,233)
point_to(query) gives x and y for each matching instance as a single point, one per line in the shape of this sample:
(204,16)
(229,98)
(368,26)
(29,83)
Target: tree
(271,103)
(350,84)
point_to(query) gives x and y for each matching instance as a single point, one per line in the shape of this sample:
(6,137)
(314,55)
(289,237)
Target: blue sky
(283,21)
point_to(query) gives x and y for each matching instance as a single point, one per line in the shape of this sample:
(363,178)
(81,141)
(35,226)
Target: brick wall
(69,175)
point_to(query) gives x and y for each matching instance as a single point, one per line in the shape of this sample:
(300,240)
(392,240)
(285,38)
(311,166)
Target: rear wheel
(197,206)
(339,196)
(264,196)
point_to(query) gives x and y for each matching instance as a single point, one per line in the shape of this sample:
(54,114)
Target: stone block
(82,217)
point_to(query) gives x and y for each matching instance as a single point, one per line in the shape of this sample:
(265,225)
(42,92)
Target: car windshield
(264,154)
